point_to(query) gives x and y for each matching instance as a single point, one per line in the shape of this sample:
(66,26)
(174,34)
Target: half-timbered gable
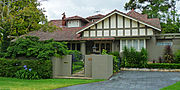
(117,24)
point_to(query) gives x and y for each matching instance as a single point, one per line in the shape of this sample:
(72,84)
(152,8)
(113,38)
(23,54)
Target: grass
(175,86)
(19,84)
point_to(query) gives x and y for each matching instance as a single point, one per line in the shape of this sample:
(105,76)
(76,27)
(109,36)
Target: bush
(158,66)
(76,55)
(30,46)
(164,66)
(8,68)
(131,57)
(177,57)
(168,56)
(27,74)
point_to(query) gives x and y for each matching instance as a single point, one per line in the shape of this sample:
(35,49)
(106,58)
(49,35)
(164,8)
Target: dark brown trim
(123,26)
(138,29)
(96,30)
(119,28)
(130,27)
(103,28)
(145,30)
(116,24)
(89,32)
(109,26)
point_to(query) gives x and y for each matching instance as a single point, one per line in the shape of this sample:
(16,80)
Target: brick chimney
(63,19)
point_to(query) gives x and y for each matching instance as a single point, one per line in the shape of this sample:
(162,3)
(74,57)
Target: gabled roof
(141,20)
(77,18)
(66,34)
(98,16)
(57,23)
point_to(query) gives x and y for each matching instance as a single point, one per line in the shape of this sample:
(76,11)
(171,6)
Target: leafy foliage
(164,65)
(18,17)
(76,66)
(15,68)
(168,55)
(76,55)
(27,74)
(165,10)
(30,46)
(177,57)
(131,57)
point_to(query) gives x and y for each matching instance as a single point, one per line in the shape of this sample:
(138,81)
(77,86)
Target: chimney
(63,19)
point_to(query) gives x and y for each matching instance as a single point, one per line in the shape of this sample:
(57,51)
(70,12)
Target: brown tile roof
(58,35)
(98,16)
(69,34)
(143,17)
(66,34)
(77,18)
(57,23)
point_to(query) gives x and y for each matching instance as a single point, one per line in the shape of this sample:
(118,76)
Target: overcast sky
(83,8)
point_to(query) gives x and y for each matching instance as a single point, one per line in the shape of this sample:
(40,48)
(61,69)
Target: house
(112,32)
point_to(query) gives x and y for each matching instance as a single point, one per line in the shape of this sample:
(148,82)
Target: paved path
(132,80)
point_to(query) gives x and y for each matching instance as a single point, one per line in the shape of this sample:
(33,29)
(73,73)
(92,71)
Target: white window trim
(121,48)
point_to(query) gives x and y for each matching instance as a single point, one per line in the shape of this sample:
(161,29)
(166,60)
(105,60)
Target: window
(74,46)
(123,43)
(129,44)
(137,44)
(141,44)
(164,43)
(78,46)
(103,45)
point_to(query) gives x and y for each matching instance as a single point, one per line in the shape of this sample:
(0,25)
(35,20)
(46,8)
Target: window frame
(132,42)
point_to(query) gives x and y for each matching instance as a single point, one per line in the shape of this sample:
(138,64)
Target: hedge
(164,66)
(8,68)
(158,66)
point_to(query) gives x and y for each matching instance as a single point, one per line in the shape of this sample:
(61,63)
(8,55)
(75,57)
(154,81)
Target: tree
(18,17)
(153,8)
(165,10)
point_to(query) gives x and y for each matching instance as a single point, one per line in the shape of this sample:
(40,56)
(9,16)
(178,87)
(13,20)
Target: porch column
(83,48)
(113,46)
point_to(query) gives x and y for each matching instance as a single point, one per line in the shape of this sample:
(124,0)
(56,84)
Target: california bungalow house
(112,32)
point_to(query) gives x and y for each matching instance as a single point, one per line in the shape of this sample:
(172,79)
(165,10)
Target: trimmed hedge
(164,65)
(158,66)
(8,68)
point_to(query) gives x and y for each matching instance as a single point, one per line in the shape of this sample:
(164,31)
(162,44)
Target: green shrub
(8,68)
(168,55)
(30,46)
(27,74)
(164,66)
(131,57)
(177,57)
(76,55)
(158,66)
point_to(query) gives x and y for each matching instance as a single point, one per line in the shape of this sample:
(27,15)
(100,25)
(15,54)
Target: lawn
(175,86)
(17,84)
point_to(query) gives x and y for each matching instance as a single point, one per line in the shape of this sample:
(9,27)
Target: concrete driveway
(132,80)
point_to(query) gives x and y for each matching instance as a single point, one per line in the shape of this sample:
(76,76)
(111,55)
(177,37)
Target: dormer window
(73,23)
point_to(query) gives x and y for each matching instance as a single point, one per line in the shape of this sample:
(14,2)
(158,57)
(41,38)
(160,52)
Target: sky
(83,8)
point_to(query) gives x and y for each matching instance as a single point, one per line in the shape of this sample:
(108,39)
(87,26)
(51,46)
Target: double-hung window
(137,44)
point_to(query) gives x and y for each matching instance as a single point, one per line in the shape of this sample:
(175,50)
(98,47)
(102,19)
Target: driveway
(132,80)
